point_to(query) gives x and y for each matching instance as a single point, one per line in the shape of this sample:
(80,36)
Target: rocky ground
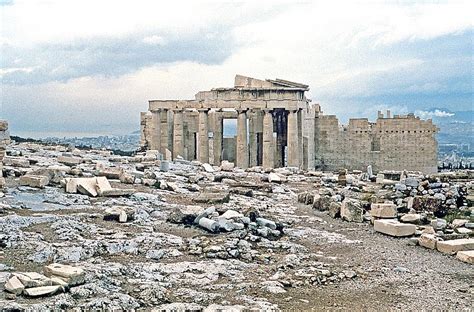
(197,237)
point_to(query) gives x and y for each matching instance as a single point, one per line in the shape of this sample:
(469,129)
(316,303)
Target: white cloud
(34,21)
(435,113)
(341,49)
(155,40)
(9,70)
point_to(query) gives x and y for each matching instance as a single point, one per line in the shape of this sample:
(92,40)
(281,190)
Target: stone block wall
(398,143)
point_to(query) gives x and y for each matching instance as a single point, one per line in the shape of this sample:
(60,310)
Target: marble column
(252,139)
(178,133)
(292,139)
(203,149)
(164,131)
(242,154)
(280,145)
(218,136)
(156,134)
(268,148)
(300,137)
(142,130)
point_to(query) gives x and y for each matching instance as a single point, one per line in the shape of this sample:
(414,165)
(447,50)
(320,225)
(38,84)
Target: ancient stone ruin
(277,126)
(86,229)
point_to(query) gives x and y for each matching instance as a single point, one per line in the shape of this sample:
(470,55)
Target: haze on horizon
(91,66)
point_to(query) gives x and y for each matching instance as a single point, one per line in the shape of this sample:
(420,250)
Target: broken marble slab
(32,279)
(71,275)
(42,291)
(97,186)
(14,285)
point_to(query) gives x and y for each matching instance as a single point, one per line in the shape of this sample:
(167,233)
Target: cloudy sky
(91,66)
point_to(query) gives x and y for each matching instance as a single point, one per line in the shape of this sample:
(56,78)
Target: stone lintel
(155,105)
(288,105)
(190,104)
(253,104)
(229,115)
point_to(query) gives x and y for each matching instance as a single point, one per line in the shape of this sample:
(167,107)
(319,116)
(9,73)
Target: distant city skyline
(91,66)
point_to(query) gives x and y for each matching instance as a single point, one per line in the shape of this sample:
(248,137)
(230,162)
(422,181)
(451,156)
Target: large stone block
(321,202)
(111,172)
(72,275)
(102,185)
(34,181)
(70,161)
(16,162)
(335,209)
(87,187)
(466,256)
(116,192)
(455,245)
(428,241)
(413,218)
(387,210)
(351,210)
(394,228)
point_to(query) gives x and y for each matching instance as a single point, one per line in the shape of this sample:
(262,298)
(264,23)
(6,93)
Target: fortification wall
(399,143)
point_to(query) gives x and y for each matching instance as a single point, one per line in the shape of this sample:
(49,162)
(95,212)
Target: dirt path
(397,275)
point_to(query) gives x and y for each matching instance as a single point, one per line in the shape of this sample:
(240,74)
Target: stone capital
(203,110)
(241,110)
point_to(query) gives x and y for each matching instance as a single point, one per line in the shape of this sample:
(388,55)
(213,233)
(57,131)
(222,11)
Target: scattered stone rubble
(57,278)
(437,209)
(91,230)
